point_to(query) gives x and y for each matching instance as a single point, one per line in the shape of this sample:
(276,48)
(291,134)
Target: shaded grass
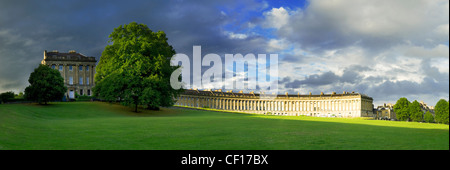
(96,125)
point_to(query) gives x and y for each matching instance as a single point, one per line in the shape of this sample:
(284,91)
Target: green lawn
(96,125)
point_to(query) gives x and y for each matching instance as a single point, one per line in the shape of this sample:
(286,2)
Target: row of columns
(272,105)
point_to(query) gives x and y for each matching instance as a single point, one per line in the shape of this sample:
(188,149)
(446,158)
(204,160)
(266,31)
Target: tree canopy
(429,118)
(401,109)
(4,97)
(441,111)
(135,68)
(46,85)
(415,111)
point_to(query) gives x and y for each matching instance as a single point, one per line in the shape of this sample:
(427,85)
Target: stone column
(92,74)
(290,105)
(307,106)
(224,104)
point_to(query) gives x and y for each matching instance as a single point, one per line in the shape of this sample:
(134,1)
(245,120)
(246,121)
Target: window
(89,92)
(60,68)
(81,92)
(70,68)
(87,80)
(87,68)
(53,66)
(70,80)
(80,68)
(81,81)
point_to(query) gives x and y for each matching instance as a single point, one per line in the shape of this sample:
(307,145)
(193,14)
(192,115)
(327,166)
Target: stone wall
(324,105)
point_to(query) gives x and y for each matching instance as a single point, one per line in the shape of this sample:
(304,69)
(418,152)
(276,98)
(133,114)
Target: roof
(240,94)
(70,56)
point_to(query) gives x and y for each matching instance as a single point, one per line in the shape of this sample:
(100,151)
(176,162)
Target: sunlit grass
(96,125)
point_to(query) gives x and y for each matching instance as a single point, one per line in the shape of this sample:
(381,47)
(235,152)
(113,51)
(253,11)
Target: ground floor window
(89,92)
(81,92)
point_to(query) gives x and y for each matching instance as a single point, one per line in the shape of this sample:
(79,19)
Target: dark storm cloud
(351,75)
(434,84)
(27,28)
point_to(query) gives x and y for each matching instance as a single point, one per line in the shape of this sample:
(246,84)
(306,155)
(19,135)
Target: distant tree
(441,111)
(6,96)
(429,118)
(46,85)
(401,109)
(135,68)
(20,95)
(415,111)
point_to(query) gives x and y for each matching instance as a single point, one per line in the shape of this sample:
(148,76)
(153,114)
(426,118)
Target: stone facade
(386,112)
(76,69)
(323,105)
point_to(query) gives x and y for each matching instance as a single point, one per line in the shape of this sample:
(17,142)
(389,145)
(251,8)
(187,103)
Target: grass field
(96,125)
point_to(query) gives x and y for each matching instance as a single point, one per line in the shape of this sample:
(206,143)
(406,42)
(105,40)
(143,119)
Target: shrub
(84,98)
(6,96)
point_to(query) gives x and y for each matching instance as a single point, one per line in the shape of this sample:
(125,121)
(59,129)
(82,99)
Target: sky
(386,49)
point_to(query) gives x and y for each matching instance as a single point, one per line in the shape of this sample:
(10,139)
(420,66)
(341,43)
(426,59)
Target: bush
(429,118)
(84,98)
(6,96)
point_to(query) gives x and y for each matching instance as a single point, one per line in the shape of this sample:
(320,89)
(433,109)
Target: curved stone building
(323,105)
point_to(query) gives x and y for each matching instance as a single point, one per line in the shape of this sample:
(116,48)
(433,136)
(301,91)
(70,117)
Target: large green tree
(441,111)
(46,85)
(401,109)
(135,68)
(415,111)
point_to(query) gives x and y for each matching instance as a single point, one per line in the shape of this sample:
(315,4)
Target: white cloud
(232,35)
(439,51)
(442,30)
(276,18)
(277,45)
